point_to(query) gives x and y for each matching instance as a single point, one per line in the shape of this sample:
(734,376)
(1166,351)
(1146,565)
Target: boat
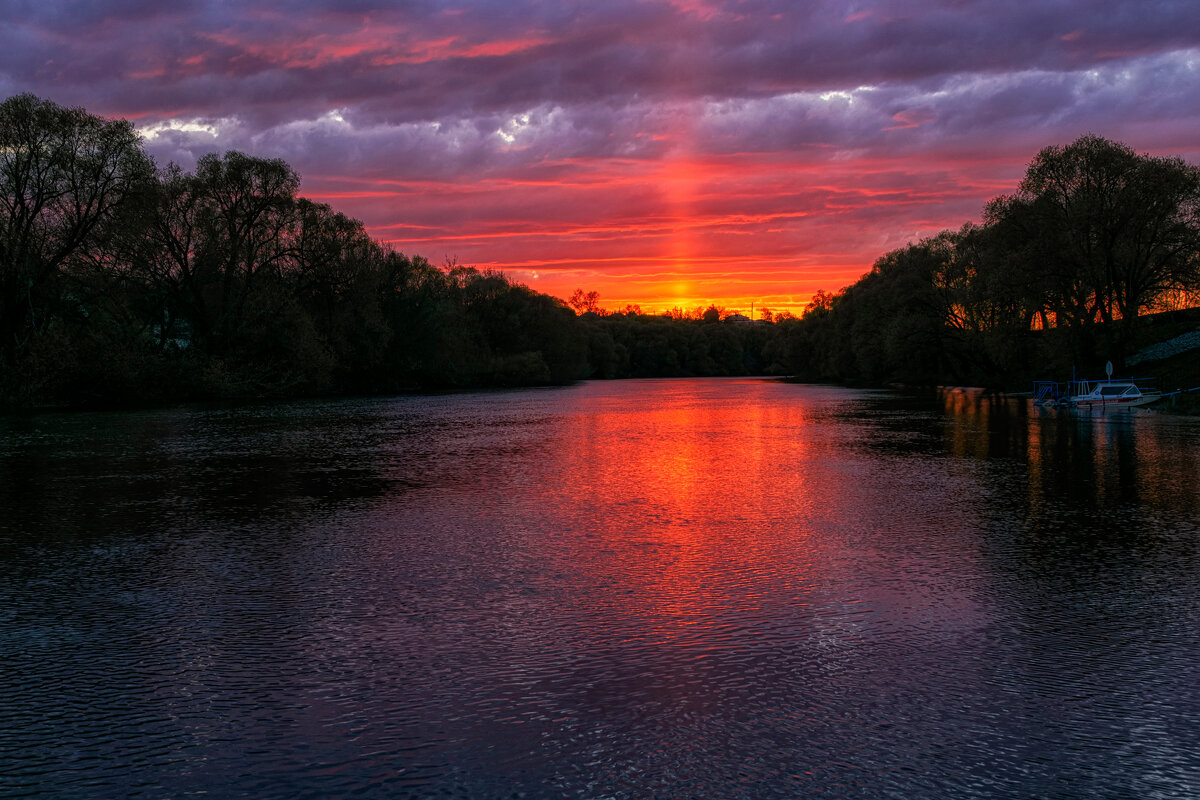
(1109,394)
(1102,394)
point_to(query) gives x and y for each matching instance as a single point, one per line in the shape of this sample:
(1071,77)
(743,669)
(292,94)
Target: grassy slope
(1175,372)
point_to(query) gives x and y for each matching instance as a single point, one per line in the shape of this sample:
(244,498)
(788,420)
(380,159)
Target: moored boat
(1110,394)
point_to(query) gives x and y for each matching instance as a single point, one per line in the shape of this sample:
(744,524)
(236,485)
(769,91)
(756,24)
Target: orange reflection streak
(711,506)
(973,437)
(1037,453)
(689,508)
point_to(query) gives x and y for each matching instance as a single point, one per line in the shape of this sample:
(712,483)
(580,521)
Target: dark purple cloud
(767,121)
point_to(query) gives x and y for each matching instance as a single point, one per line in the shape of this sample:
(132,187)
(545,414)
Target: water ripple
(668,588)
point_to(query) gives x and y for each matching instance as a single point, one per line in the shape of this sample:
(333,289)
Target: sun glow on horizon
(680,227)
(662,153)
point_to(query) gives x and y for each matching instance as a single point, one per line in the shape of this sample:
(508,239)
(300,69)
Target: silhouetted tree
(1109,231)
(64,175)
(585,302)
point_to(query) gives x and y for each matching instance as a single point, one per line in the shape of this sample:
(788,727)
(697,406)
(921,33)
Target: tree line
(124,282)
(121,282)
(1058,274)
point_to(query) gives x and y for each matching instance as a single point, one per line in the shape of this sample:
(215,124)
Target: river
(669,588)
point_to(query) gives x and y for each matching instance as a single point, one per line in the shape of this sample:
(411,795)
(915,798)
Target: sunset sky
(665,153)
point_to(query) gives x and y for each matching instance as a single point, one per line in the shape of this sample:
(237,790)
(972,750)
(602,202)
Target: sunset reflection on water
(675,588)
(1102,458)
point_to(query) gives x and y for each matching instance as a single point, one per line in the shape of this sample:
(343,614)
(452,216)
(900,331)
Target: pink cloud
(693,148)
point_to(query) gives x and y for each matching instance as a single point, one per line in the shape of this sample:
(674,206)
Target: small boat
(1109,394)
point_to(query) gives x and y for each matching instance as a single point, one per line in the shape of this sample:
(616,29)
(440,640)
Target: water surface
(675,588)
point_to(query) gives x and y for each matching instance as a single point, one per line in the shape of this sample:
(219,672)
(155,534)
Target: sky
(665,153)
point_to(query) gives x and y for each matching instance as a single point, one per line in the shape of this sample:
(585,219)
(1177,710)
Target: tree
(585,302)
(339,275)
(899,322)
(221,232)
(64,174)
(1108,231)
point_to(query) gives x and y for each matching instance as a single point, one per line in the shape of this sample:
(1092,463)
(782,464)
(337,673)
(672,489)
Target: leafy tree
(897,323)
(247,207)
(64,175)
(585,302)
(338,273)
(1108,231)
(533,338)
(219,233)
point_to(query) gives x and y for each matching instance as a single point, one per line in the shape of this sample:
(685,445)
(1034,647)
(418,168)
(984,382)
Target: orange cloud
(741,230)
(661,152)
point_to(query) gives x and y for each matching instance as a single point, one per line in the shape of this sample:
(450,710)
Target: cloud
(599,133)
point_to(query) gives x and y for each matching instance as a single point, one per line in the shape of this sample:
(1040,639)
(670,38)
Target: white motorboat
(1110,394)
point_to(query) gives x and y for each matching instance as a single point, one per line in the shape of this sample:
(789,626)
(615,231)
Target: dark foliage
(122,284)
(1058,276)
